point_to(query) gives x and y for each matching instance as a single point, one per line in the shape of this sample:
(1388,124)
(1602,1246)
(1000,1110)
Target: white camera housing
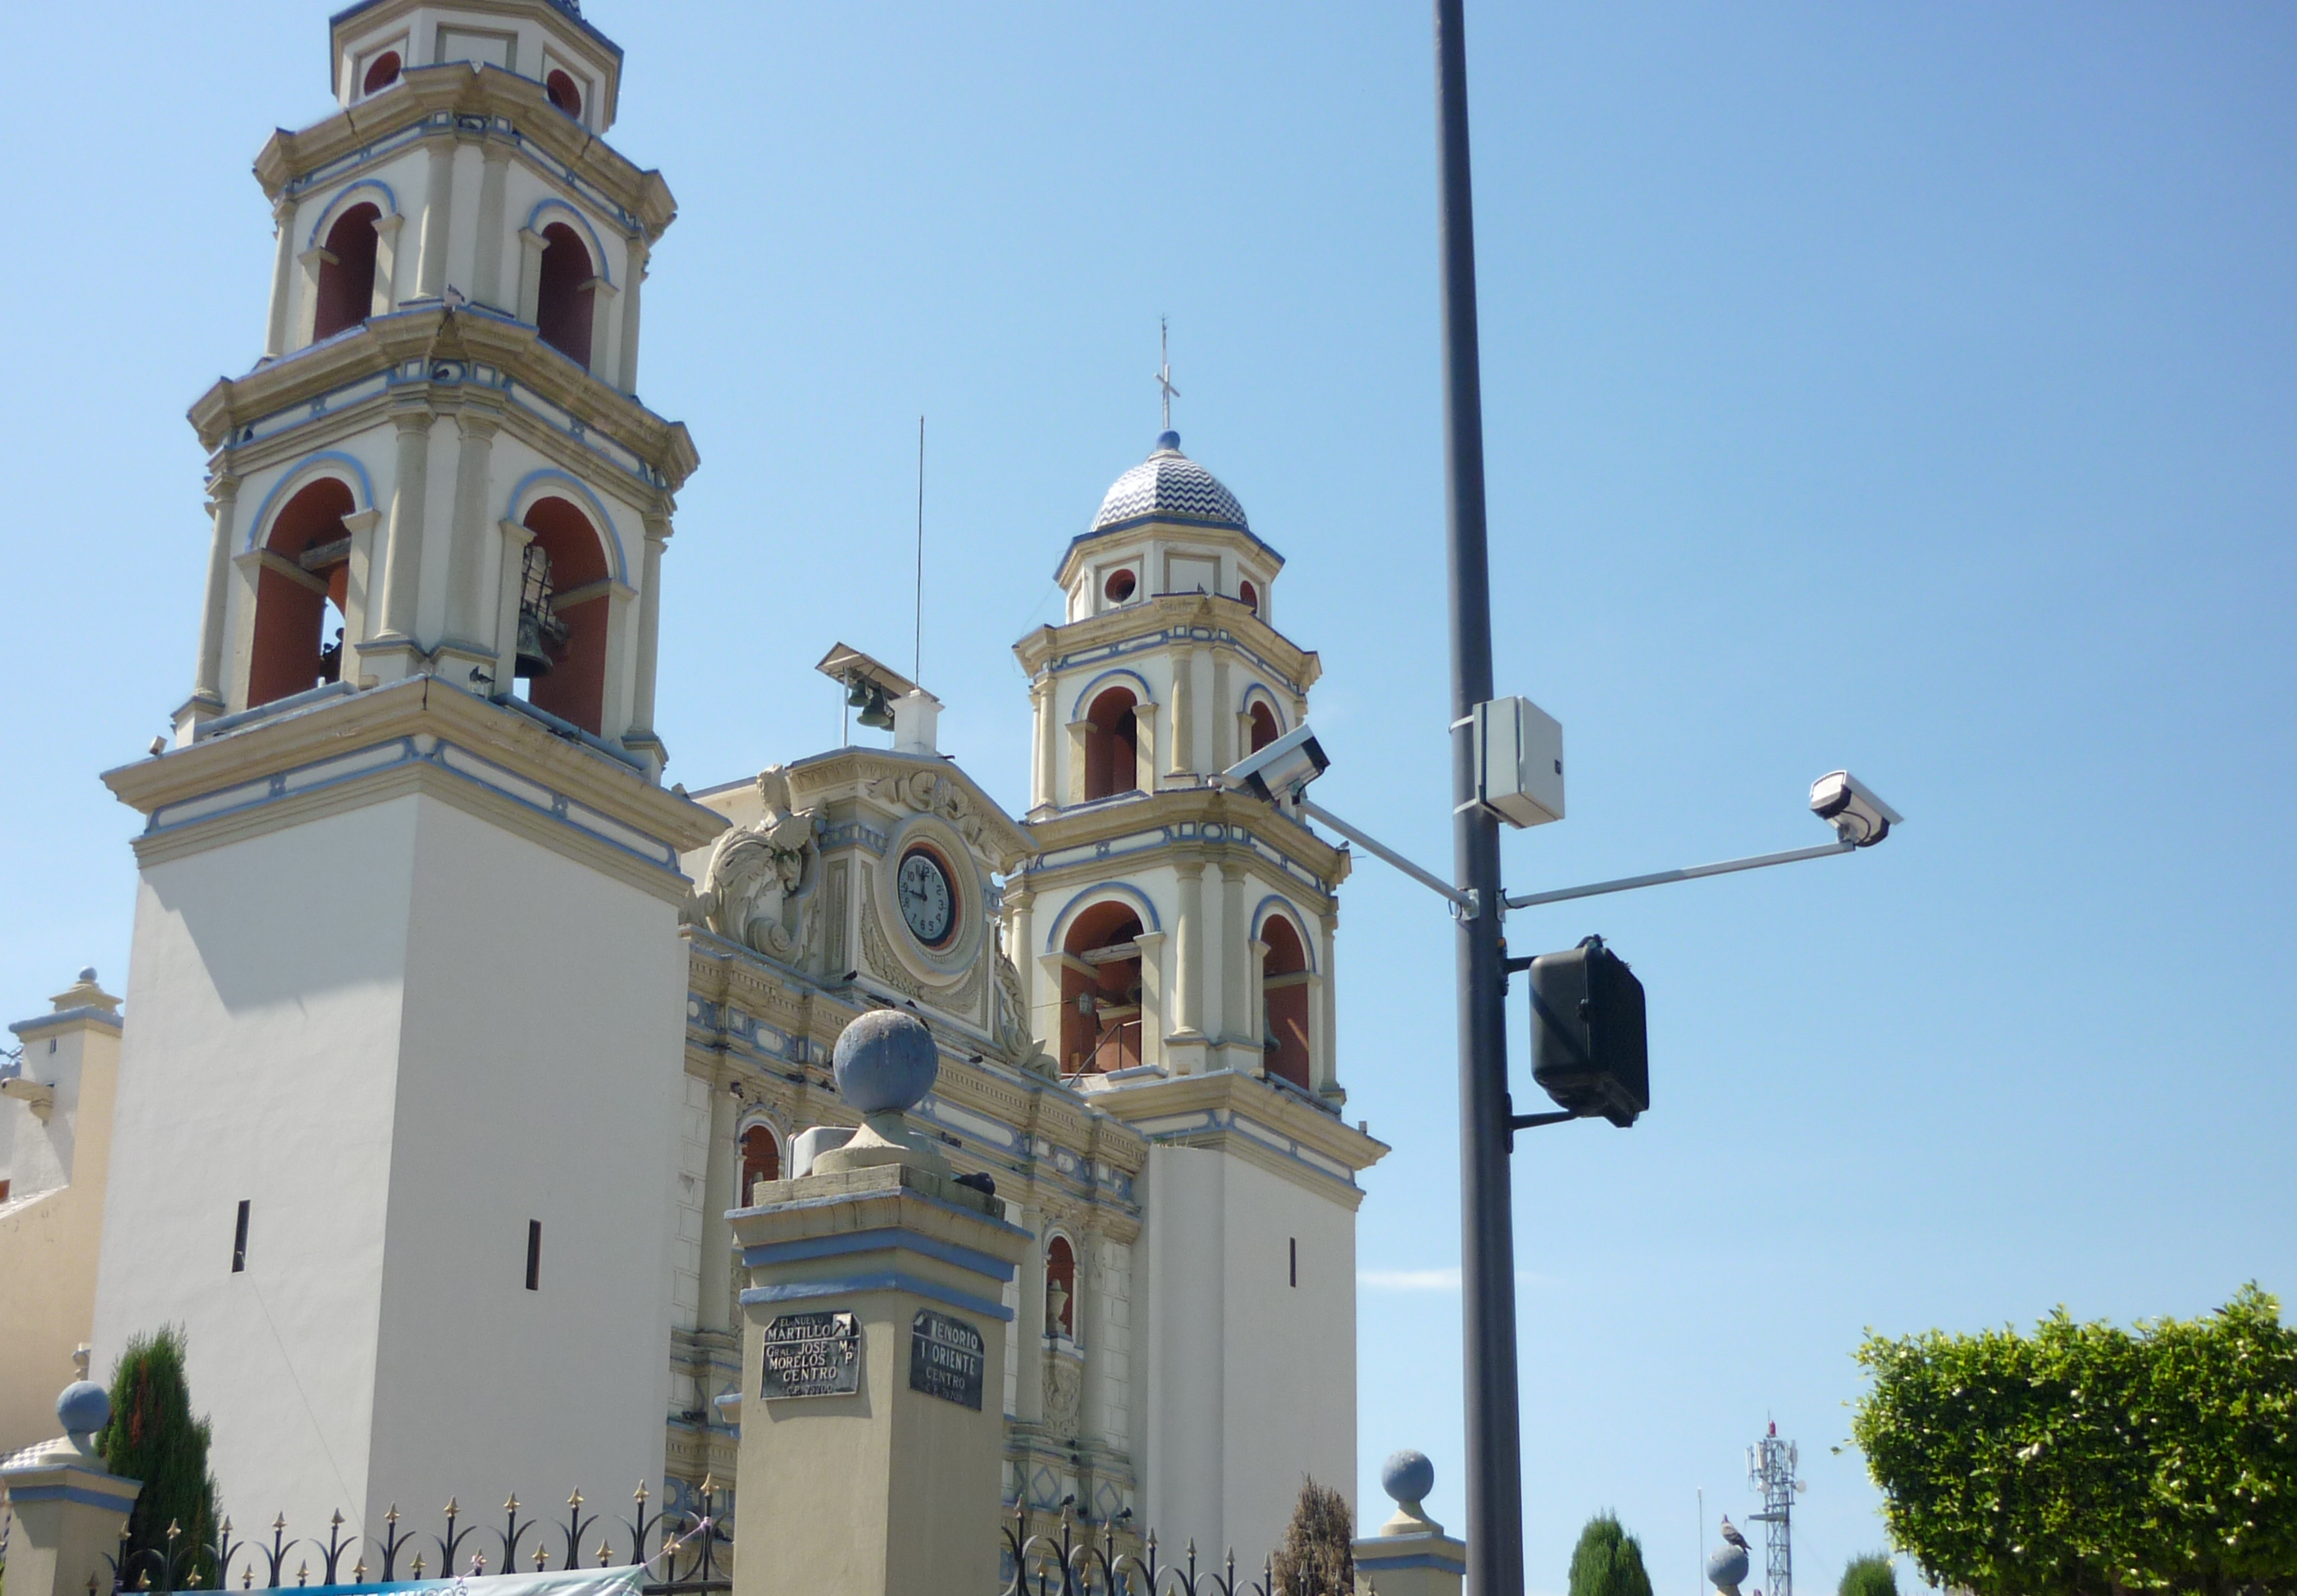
(1277,773)
(1518,761)
(1851,807)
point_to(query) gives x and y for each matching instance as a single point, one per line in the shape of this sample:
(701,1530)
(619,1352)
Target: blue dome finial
(1168,439)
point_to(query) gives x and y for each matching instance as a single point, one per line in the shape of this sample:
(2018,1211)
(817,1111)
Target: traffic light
(1588,1047)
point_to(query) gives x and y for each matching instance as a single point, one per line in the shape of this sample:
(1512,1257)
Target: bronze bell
(875,713)
(539,629)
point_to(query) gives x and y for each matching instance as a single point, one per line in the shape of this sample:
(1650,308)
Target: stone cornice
(424,335)
(418,708)
(1200,620)
(1065,829)
(438,99)
(1253,1119)
(1152,528)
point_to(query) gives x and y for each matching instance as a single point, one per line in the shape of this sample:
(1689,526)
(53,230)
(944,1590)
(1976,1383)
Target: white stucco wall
(1253,1377)
(401,1033)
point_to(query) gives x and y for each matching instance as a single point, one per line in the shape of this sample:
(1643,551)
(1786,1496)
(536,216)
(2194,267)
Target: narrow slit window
(534,1255)
(239,1239)
(1296,1263)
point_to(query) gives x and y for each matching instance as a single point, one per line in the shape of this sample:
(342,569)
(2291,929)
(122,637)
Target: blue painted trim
(1120,888)
(1093,689)
(891,1280)
(336,207)
(597,250)
(1268,696)
(551,473)
(884,1238)
(1418,1560)
(307,470)
(1115,529)
(68,1016)
(120,1502)
(1292,912)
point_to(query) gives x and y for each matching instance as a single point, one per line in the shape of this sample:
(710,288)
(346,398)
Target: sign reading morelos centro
(811,1354)
(947,1358)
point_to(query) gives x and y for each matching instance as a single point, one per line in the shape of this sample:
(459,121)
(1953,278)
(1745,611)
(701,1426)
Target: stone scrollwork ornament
(756,887)
(1012,1019)
(930,792)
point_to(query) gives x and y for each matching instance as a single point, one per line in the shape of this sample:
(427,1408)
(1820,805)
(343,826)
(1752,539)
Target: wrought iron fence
(1041,1566)
(687,1559)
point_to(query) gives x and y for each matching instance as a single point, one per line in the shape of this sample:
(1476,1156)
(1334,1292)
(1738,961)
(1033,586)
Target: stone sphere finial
(1726,1566)
(85,1407)
(886,1060)
(88,975)
(1408,1476)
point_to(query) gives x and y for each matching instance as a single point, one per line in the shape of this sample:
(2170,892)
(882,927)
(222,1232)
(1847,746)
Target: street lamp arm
(1464,901)
(1660,879)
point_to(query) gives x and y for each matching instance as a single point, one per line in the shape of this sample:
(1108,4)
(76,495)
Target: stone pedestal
(1411,1556)
(872,1377)
(68,1510)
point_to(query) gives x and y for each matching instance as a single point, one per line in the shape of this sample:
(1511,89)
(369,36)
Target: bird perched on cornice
(1731,1533)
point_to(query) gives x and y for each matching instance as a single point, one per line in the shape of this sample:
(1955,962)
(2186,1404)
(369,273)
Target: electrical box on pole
(1518,761)
(1588,1050)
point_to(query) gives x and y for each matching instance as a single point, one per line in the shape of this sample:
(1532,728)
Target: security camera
(1849,805)
(1279,771)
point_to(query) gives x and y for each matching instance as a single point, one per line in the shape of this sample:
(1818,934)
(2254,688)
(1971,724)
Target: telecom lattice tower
(1771,1471)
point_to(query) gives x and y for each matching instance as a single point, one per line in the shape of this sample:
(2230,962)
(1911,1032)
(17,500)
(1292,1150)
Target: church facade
(438,1184)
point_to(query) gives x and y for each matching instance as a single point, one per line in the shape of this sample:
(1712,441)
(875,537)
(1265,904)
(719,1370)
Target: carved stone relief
(758,887)
(1064,1389)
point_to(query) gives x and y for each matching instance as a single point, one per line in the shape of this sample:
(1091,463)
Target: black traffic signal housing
(1588,1044)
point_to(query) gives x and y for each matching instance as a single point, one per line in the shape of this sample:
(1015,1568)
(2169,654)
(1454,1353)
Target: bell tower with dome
(390,1141)
(1177,942)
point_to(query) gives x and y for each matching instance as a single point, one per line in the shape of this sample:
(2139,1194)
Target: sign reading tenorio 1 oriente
(811,1354)
(947,1358)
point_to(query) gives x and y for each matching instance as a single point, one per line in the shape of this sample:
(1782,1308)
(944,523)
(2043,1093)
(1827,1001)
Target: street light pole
(1486,1216)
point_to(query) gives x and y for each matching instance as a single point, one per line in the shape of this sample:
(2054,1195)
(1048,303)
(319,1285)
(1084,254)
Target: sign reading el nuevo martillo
(947,1359)
(811,1354)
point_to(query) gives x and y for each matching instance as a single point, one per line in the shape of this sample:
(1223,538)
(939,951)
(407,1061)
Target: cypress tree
(153,1437)
(1872,1574)
(1608,1561)
(1318,1557)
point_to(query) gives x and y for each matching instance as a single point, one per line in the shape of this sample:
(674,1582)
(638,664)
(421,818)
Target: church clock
(928,900)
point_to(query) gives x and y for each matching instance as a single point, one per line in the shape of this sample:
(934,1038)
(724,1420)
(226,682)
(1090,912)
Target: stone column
(1040,703)
(1154,1010)
(438,206)
(1092,1331)
(720,1177)
(1224,715)
(493,242)
(657,535)
(872,1442)
(468,620)
(283,281)
(1029,1325)
(402,561)
(531,245)
(1180,736)
(603,353)
(385,297)
(1189,953)
(69,1508)
(1255,1001)
(1236,1021)
(634,276)
(206,676)
(1410,1556)
(1325,1049)
(1144,746)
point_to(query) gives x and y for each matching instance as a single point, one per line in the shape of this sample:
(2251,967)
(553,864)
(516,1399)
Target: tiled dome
(1169,486)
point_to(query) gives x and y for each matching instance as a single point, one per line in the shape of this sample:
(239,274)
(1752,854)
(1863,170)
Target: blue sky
(1902,388)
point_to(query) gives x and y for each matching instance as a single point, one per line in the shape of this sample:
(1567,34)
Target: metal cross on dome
(1165,370)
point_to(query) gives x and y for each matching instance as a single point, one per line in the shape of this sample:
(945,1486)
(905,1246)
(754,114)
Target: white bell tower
(1178,942)
(398,1085)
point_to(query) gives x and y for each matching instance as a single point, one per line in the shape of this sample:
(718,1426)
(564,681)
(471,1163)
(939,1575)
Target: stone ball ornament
(85,1407)
(1407,1477)
(1726,1566)
(885,1061)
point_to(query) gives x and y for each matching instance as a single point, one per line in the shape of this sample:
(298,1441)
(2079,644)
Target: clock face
(929,903)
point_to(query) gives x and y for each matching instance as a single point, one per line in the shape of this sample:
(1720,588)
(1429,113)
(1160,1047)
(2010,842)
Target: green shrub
(1608,1561)
(153,1437)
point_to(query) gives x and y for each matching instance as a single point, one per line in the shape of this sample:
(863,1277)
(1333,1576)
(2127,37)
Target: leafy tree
(1874,1574)
(1608,1561)
(1318,1557)
(152,1437)
(2085,1459)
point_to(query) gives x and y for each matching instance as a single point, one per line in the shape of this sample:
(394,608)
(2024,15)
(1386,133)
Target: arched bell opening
(346,294)
(761,1160)
(1060,1288)
(564,93)
(1261,720)
(1284,1001)
(1248,596)
(1112,742)
(562,311)
(300,590)
(562,613)
(383,73)
(1101,991)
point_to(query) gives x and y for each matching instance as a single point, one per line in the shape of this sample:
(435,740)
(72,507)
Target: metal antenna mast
(1771,1471)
